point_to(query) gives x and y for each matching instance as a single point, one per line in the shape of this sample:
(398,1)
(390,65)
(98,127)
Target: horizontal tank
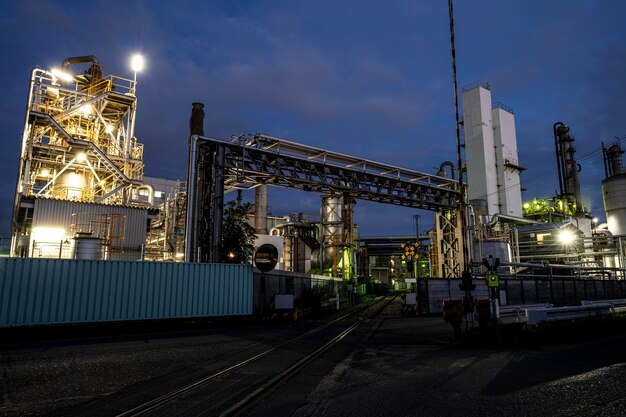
(614,196)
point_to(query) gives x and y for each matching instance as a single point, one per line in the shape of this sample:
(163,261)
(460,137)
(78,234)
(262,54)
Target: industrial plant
(82,193)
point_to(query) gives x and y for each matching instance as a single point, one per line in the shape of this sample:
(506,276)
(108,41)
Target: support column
(449,243)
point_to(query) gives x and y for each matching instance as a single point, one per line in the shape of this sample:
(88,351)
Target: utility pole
(466,275)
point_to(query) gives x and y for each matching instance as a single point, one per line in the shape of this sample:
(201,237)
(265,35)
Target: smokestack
(568,168)
(614,156)
(196,122)
(260,209)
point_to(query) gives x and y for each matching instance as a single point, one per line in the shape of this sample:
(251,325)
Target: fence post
(551,289)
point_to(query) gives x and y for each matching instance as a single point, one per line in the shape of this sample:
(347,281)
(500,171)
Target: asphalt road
(391,366)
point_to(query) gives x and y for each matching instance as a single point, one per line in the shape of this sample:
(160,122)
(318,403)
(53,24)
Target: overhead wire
(549,171)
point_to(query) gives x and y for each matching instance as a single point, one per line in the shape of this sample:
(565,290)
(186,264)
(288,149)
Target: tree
(237,235)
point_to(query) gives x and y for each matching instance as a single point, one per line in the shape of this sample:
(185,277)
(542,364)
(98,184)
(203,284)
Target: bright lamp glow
(108,128)
(48,234)
(136,63)
(86,109)
(62,75)
(81,157)
(566,237)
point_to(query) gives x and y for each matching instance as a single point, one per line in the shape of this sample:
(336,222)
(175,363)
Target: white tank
(70,186)
(614,196)
(496,248)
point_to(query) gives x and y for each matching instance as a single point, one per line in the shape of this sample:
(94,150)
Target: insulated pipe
(559,168)
(260,209)
(79,60)
(150,189)
(614,156)
(443,173)
(96,68)
(190,232)
(196,129)
(496,218)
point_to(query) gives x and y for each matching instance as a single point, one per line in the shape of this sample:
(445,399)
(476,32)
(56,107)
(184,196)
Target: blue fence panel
(58,291)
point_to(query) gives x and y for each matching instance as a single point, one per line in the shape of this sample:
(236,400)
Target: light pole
(136,64)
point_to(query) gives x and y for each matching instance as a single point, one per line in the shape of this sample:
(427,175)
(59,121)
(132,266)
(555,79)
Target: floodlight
(62,75)
(136,63)
(81,157)
(566,237)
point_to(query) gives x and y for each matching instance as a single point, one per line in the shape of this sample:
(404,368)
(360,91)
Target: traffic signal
(466,282)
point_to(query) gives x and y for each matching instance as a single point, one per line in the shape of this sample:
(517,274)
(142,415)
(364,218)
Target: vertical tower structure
(492,163)
(80,164)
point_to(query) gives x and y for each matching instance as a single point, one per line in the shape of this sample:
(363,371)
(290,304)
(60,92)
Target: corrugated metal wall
(58,214)
(57,291)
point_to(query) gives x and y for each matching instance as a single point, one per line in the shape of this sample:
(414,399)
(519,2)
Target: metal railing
(483,84)
(535,316)
(499,105)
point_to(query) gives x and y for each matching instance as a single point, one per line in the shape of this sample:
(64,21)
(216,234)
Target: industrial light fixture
(566,237)
(81,157)
(108,128)
(136,63)
(62,75)
(595,220)
(48,234)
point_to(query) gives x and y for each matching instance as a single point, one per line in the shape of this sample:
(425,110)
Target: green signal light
(493,280)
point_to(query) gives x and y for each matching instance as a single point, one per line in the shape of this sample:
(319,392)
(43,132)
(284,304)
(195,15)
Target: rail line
(367,312)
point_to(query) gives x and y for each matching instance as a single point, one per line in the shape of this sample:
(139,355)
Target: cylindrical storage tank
(496,248)
(614,196)
(332,229)
(87,247)
(70,186)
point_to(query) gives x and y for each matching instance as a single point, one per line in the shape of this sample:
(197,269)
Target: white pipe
(496,218)
(189,232)
(150,189)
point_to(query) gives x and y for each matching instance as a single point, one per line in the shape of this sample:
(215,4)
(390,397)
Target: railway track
(235,388)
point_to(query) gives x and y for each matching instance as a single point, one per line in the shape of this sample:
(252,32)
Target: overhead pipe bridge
(217,167)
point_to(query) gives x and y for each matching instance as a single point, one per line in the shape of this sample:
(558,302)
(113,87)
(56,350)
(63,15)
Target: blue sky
(367,78)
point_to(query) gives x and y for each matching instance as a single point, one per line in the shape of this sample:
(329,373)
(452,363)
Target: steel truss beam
(289,165)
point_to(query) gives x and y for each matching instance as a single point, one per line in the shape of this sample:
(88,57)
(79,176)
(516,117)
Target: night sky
(367,78)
